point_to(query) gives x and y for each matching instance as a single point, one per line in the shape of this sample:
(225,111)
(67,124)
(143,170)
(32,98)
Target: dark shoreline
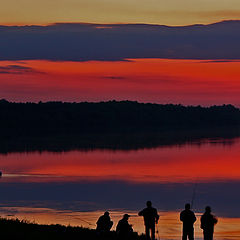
(14,229)
(118,141)
(125,125)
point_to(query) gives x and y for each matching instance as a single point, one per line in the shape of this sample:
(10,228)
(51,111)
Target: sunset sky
(145,80)
(172,12)
(99,62)
(158,51)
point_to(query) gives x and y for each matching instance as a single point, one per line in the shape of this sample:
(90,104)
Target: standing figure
(151,217)
(207,224)
(188,218)
(104,223)
(124,229)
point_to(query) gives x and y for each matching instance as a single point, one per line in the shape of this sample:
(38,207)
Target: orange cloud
(146,80)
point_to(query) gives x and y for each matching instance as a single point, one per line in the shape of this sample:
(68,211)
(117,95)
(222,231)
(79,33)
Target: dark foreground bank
(23,230)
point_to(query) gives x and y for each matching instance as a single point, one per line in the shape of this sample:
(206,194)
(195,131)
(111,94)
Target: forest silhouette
(62,126)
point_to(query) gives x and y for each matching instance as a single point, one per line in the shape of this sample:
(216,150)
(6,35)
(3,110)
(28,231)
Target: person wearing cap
(207,224)
(124,229)
(104,223)
(151,218)
(188,218)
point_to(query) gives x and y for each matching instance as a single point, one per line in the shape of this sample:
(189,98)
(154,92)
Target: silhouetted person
(151,217)
(207,224)
(124,229)
(188,218)
(104,223)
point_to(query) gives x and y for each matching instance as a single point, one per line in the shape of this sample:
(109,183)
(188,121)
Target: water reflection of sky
(205,162)
(74,187)
(169,226)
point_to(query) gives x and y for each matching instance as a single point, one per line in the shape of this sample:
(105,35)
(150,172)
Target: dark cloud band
(83,42)
(16,69)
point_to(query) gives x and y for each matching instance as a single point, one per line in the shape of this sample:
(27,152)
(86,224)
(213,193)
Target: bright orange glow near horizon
(167,164)
(189,82)
(172,12)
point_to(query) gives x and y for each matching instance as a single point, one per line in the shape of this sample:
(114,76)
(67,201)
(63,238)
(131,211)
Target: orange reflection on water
(169,225)
(208,162)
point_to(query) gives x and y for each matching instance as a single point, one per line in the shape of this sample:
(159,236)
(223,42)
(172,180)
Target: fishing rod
(194,193)
(90,224)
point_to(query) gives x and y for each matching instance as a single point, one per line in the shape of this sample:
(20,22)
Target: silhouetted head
(106,213)
(149,203)
(187,206)
(208,209)
(126,216)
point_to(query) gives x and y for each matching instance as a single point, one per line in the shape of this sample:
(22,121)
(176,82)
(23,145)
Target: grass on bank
(15,229)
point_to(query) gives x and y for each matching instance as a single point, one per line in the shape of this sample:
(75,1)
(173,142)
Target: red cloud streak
(187,82)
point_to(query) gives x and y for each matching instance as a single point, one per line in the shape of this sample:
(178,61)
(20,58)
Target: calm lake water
(76,187)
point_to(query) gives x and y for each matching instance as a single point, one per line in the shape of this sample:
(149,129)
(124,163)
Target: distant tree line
(57,120)
(112,116)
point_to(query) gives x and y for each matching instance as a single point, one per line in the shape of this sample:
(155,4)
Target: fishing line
(85,221)
(194,193)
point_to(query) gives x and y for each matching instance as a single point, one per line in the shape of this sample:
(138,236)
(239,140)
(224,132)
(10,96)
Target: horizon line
(112,24)
(117,101)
